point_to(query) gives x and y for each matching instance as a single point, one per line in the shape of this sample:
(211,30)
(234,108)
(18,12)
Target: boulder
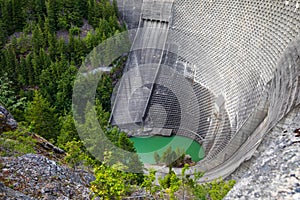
(7,122)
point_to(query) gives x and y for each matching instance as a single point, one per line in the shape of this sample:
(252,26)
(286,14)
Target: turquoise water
(147,146)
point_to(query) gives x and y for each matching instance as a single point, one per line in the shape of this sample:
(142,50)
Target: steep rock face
(273,172)
(38,177)
(7,122)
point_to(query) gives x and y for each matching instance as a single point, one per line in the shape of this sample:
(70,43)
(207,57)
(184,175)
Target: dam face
(241,63)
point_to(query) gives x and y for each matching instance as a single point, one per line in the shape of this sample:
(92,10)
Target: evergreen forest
(42,46)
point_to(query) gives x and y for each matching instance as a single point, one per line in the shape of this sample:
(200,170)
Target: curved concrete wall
(247,54)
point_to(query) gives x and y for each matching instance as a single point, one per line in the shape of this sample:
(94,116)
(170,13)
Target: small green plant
(75,155)
(112,182)
(180,187)
(171,158)
(156,157)
(149,183)
(16,143)
(75,30)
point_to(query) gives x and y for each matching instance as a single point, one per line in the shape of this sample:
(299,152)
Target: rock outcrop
(34,176)
(273,172)
(7,122)
(10,194)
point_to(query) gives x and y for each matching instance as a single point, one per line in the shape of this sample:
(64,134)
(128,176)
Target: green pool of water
(147,146)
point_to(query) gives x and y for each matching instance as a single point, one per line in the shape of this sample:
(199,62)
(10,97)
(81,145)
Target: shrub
(16,143)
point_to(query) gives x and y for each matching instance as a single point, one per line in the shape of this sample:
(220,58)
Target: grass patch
(16,143)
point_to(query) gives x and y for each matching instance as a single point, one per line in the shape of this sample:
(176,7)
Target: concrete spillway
(129,107)
(244,57)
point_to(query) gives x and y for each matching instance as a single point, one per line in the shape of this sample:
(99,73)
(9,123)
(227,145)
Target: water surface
(147,146)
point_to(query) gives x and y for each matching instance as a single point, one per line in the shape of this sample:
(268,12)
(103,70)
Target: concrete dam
(221,72)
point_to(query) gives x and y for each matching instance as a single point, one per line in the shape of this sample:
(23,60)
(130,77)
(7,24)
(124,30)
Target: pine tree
(115,8)
(22,72)
(30,70)
(92,136)
(65,89)
(3,33)
(40,8)
(90,11)
(11,64)
(37,39)
(18,16)
(156,157)
(102,115)
(68,131)
(53,7)
(104,91)
(8,97)
(52,46)
(47,84)
(41,117)
(82,7)
(6,15)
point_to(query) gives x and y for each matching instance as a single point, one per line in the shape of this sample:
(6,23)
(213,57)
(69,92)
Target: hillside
(43,44)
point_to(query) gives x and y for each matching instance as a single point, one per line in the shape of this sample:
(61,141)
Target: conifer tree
(22,72)
(68,131)
(53,14)
(40,8)
(37,39)
(11,64)
(7,16)
(30,70)
(115,8)
(3,33)
(41,117)
(18,15)
(91,12)
(65,89)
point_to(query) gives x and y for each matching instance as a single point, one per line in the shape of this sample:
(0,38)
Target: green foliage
(102,116)
(64,90)
(68,132)
(3,33)
(104,91)
(75,154)
(217,189)
(75,30)
(111,183)
(37,59)
(171,158)
(156,157)
(168,156)
(16,143)
(171,183)
(41,117)
(106,140)
(9,99)
(149,183)
(53,14)
(13,15)
(180,187)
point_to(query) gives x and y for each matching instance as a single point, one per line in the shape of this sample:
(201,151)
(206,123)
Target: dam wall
(246,55)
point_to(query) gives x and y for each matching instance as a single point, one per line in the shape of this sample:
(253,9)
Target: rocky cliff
(273,172)
(33,176)
(42,175)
